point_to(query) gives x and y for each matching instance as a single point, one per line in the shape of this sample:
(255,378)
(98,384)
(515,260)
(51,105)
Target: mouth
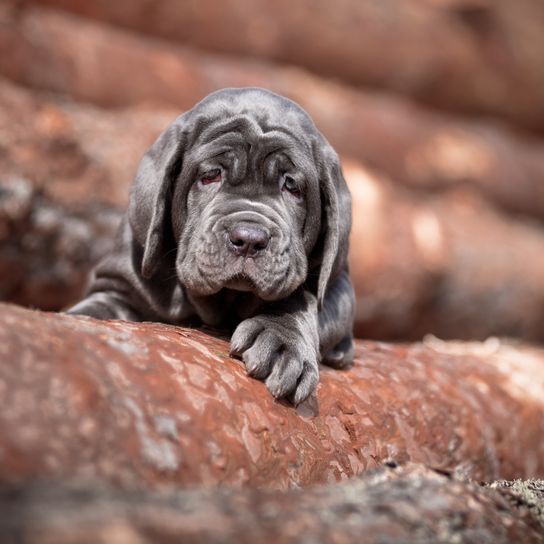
(240,282)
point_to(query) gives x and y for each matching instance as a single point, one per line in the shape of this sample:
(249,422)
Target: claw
(244,336)
(284,376)
(307,383)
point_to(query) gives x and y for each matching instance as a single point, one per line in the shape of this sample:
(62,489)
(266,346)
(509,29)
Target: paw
(283,358)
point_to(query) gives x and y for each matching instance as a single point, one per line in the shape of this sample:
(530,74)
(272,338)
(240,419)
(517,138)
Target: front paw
(284,358)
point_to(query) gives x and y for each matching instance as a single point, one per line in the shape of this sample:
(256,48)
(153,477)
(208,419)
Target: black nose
(248,240)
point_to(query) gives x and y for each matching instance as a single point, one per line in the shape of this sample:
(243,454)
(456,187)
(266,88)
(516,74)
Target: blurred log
(156,405)
(55,51)
(445,264)
(476,56)
(408,504)
(46,250)
(76,154)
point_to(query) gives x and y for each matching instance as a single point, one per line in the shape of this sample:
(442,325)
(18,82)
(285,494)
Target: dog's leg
(105,305)
(336,323)
(119,291)
(280,346)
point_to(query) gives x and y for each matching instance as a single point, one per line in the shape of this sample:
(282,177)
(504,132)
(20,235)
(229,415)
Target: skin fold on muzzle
(239,215)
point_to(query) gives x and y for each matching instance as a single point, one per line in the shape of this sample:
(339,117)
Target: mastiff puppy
(239,215)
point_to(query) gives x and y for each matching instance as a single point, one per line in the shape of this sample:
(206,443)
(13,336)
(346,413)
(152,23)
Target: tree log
(47,250)
(155,405)
(59,52)
(76,154)
(446,264)
(478,56)
(407,504)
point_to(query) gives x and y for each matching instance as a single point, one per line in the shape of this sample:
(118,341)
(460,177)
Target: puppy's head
(247,194)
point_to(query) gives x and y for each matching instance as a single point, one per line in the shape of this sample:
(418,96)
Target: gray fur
(291,304)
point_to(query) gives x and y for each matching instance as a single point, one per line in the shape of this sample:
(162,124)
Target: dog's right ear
(151,195)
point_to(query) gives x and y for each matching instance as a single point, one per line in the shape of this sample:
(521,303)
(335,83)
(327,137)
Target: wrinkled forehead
(254,120)
(267,109)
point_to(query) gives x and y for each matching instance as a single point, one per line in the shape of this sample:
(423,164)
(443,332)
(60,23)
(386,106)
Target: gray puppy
(239,215)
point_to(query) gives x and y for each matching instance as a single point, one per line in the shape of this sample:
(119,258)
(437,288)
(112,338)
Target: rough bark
(478,56)
(408,504)
(156,405)
(47,250)
(109,67)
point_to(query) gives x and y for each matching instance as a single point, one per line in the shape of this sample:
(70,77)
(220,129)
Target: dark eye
(289,184)
(213,176)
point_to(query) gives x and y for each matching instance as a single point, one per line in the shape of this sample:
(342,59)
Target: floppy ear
(336,219)
(151,194)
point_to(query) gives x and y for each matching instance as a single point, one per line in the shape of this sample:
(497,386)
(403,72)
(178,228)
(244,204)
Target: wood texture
(156,405)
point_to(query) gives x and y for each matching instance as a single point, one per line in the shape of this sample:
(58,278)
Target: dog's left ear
(336,218)
(151,195)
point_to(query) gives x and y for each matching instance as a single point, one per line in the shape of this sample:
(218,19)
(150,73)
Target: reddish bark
(155,405)
(408,504)
(469,55)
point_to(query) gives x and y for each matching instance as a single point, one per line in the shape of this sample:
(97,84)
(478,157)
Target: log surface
(408,504)
(150,404)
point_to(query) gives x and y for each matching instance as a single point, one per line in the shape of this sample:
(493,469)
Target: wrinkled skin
(239,216)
